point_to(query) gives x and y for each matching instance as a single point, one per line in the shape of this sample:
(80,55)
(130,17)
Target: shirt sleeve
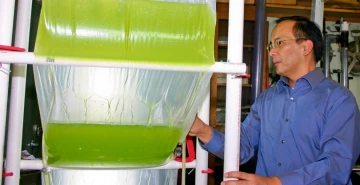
(249,137)
(216,144)
(339,148)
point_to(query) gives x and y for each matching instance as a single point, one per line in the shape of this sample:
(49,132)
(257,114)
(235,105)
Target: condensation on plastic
(119,96)
(110,177)
(165,32)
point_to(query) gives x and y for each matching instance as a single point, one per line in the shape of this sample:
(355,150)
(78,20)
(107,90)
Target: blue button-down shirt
(308,134)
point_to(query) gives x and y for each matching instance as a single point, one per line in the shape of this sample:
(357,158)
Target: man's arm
(201,130)
(213,140)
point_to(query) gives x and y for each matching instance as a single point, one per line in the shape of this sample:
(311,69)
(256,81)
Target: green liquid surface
(105,145)
(140,31)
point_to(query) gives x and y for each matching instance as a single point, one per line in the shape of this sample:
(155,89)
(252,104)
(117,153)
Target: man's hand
(201,130)
(249,179)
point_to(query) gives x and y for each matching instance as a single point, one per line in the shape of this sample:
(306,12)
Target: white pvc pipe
(317,15)
(201,154)
(17,95)
(29,58)
(317,12)
(38,165)
(6,30)
(31,165)
(344,29)
(233,88)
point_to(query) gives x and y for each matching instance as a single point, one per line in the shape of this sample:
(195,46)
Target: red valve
(207,171)
(7,174)
(244,76)
(191,150)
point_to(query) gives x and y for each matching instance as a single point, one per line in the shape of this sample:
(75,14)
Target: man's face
(285,51)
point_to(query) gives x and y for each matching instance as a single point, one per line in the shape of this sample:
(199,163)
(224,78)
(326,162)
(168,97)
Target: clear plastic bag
(172,32)
(114,117)
(101,117)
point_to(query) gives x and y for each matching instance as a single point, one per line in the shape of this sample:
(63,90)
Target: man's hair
(304,28)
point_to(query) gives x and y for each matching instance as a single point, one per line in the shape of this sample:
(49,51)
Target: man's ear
(308,46)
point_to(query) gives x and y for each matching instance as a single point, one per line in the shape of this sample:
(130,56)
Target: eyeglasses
(277,43)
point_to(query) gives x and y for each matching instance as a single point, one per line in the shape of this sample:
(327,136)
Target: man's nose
(272,52)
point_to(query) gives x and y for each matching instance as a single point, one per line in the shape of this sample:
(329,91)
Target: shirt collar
(314,77)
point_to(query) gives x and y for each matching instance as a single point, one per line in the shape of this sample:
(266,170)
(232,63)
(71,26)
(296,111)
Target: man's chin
(279,72)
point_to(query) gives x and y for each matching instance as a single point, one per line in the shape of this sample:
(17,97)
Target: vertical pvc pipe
(202,155)
(317,12)
(258,61)
(17,95)
(327,47)
(326,62)
(6,30)
(233,87)
(344,54)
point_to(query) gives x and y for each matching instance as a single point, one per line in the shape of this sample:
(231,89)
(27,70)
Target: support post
(17,95)
(258,62)
(344,53)
(7,8)
(317,12)
(202,156)
(233,88)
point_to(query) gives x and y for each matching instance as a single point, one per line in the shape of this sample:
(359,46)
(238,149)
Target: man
(305,130)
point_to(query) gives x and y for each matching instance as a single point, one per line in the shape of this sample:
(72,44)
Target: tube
(202,155)
(327,47)
(17,95)
(6,26)
(233,88)
(257,67)
(29,58)
(344,54)
(317,12)
(38,165)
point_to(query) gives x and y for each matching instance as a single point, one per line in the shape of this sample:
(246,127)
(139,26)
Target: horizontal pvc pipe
(29,58)
(31,164)
(356,168)
(38,165)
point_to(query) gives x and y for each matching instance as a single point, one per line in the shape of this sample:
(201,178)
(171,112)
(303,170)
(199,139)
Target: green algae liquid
(140,31)
(106,145)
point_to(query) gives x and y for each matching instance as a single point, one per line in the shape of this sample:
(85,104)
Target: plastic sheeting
(100,117)
(114,117)
(110,177)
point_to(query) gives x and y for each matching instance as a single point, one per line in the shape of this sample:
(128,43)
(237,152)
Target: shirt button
(291,98)
(282,141)
(279,164)
(286,120)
